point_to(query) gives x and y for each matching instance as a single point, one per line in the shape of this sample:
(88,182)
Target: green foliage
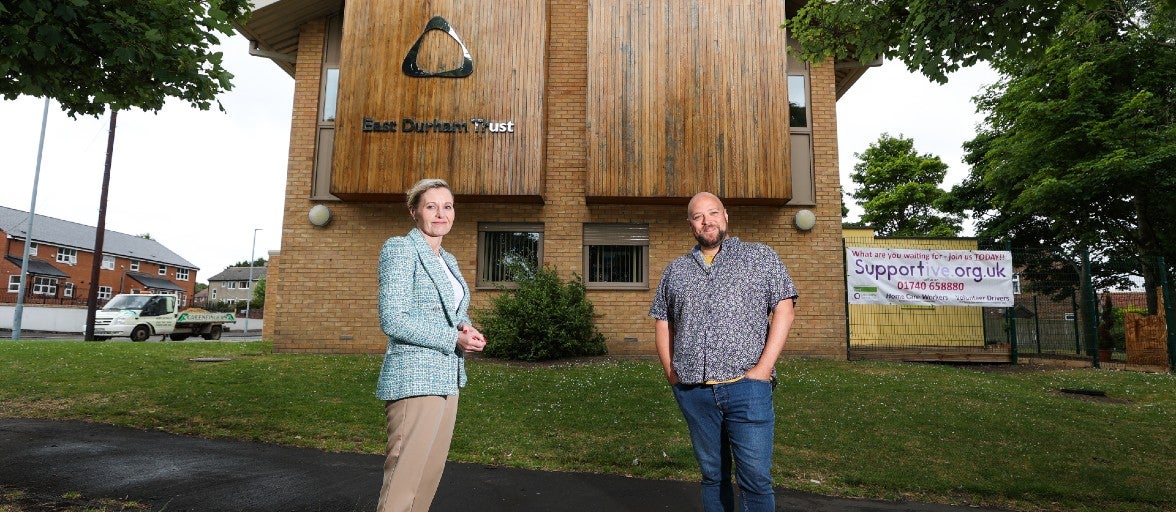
(258,294)
(90,55)
(257,263)
(220,306)
(898,190)
(542,319)
(1079,147)
(936,37)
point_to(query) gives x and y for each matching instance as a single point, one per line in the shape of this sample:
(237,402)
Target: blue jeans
(732,420)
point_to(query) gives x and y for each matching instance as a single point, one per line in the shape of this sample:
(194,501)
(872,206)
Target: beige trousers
(419,431)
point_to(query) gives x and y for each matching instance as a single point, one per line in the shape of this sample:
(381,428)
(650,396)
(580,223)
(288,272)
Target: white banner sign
(929,277)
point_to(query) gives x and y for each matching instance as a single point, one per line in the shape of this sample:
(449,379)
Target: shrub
(544,318)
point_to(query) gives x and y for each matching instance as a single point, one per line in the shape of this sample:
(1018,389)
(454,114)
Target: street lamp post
(249,283)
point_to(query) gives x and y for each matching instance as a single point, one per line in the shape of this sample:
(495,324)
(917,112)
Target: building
(233,284)
(62,254)
(573,133)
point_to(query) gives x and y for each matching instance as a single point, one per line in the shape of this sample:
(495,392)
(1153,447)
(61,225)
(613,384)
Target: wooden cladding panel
(685,96)
(507,43)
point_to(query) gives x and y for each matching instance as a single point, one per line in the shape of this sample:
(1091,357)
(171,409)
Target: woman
(423,310)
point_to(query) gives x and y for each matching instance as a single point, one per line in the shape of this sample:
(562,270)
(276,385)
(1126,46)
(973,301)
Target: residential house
(62,253)
(233,285)
(573,134)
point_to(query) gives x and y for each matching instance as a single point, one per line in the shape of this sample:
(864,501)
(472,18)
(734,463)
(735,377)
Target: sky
(201,182)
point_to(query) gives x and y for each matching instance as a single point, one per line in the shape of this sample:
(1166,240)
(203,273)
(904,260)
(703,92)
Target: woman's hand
(469,339)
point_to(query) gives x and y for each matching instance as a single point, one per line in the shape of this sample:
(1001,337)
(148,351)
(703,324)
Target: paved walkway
(178,473)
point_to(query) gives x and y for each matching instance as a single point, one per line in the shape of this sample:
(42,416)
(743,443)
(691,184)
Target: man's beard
(703,242)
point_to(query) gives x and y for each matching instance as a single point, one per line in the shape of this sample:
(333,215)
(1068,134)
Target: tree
(91,55)
(259,294)
(257,263)
(898,190)
(937,37)
(1079,148)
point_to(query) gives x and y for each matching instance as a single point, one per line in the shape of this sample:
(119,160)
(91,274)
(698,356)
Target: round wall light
(320,215)
(805,220)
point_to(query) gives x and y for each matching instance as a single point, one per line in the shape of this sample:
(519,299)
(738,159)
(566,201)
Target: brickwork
(325,297)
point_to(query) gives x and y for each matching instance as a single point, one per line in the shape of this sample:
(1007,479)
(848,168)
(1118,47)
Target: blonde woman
(423,310)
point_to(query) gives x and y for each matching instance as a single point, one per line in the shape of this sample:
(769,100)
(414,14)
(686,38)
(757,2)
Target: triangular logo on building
(411,68)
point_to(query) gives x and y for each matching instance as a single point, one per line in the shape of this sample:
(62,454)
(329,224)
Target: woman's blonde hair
(412,197)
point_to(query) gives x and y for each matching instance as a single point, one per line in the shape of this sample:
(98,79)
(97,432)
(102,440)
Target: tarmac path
(180,473)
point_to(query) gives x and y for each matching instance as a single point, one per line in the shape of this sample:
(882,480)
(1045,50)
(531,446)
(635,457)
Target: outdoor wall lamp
(805,220)
(320,215)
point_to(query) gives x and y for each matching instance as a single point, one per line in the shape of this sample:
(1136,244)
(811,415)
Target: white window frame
(617,236)
(107,262)
(485,229)
(232,285)
(105,292)
(33,246)
(67,290)
(14,283)
(212,293)
(67,256)
(134,265)
(43,285)
(163,270)
(181,274)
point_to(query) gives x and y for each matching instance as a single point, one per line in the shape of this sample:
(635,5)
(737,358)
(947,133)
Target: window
(33,248)
(14,283)
(797,102)
(232,285)
(163,270)
(504,247)
(44,285)
(134,265)
(104,293)
(182,274)
(67,290)
(1069,317)
(800,132)
(67,256)
(107,262)
(212,294)
(1017,284)
(328,103)
(616,256)
(330,95)
(244,285)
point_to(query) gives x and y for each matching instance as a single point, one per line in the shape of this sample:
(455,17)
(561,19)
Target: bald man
(721,316)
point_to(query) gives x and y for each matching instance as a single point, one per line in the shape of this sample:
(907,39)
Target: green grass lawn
(879,430)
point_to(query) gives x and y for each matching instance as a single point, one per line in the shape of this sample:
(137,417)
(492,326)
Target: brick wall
(325,298)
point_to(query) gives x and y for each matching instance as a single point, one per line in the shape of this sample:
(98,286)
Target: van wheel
(179,337)
(140,333)
(213,333)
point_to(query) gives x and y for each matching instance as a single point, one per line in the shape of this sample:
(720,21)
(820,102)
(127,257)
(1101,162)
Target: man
(722,315)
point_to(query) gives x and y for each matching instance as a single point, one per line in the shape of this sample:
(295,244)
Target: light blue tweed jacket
(418,315)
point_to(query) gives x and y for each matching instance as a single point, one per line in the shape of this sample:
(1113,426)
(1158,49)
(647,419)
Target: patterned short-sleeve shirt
(719,314)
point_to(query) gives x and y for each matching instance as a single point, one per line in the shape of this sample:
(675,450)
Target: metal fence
(1057,315)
